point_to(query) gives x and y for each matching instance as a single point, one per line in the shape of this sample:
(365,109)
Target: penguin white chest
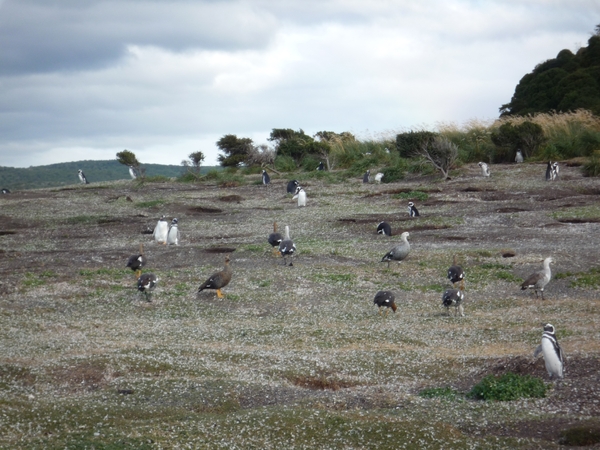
(173,236)
(160,233)
(301,196)
(552,360)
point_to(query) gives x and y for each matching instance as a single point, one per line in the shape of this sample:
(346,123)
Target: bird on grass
(287,247)
(378,177)
(412,210)
(456,274)
(321,166)
(173,233)
(385,299)
(554,358)
(367,177)
(555,170)
(136,262)
(291,186)
(399,252)
(218,280)
(538,280)
(384,228)
(275,239)
(146,284)
(300,195)
(266,179)
(485,170)
(5,191)
(549,172)
(82,177)
(161,230)
(454,297)
(519,157)
(133,173)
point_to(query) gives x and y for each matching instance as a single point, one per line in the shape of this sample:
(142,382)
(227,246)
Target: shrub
(592,167)
(395,172)
(507,387)
(410,143)
(284,163)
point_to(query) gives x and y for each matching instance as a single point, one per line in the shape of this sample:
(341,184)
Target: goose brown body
(275,239)
(218,280)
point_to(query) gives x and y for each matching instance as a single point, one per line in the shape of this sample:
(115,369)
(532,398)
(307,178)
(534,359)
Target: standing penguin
(82,177)
(133,172)
(549,171)
(321,166)
(412,210)
(485,170)
(554,357)
(367,177)
(173,234)
(161,230)
(555,170)
(266,179)
(300,195)
(291,186)
(519,157)
(384,228)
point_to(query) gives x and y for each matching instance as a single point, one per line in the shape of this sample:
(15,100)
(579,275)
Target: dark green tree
(296,144)
(527,137)
(128,158)
(411,143)
(194,163)
(235,150)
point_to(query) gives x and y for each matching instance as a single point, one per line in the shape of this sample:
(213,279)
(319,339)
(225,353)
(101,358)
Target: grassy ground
(296,357)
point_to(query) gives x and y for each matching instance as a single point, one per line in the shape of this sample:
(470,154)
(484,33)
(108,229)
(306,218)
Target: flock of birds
(168,234)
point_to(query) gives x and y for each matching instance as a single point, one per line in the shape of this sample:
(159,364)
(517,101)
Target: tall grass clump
(472,138)
(592,167)
(508,387)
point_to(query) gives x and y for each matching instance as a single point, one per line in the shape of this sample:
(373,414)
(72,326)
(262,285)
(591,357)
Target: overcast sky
(85,79)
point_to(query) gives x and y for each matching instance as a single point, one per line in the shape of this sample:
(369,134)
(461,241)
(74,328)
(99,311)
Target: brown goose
(136,262)
(275,239)
(456,274)
(218,280)
(385,299)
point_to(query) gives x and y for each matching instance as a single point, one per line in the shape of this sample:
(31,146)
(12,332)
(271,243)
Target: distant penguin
(555,170)
(5,191)
(378,177)
(519,157)
(173,234)
(412,210)
(367,177)
(161,230)
(82,177)
(384,228)
(300,195)
(291,186)
(133,172)
(549,171)
(266,179)
(554,358)
(485,170)
(321,166)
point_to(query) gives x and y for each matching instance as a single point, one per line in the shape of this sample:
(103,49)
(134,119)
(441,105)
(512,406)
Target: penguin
(218,280)
(146,284)
(367,177)
(549,171)
(519,157)
(399,252)
(485,170)
(412,210)
(291,186)
(82,177)
(453,297)
(385,299)
(5,191)
(378,178)
(555,170)
(287,247)
(384,228)
(161,230)
(266,179)
(300,195)
(321,166)
(554,358)
(133,172)
(173,233)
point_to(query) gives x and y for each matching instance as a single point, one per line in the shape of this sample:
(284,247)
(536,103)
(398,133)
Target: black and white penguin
(291,186)
(385,299)
(384,228)
(173,233)
(5,191)
(399,252)
(456,274)
(549,171)
(275,239)
(555,170)
(82,177)
(161,230)
(367,177)
(146,284)
(453,297)
(287,247)
(485,170)
(519,157)
(266,179)
(378,177)
(412,210)
(321,166)
(136,262)
(133,172)
(554,358)
(300,195)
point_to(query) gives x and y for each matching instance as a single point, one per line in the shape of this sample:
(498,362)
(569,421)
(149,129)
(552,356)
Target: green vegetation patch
(580,436)
(508,387)
(446,393)
(413,195)
(589,279)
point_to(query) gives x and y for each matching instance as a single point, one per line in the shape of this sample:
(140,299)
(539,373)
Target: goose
(218,280)
(146,284)
(385,299)
(456,274)
(453,297)
(275,239)
(287,247)
(136,262)
(538,280)
(399,252)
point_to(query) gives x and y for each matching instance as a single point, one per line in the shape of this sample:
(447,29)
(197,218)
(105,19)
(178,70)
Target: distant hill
(62,174)
(565,83)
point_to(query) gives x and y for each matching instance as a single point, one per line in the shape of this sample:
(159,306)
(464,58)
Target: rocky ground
(297,356)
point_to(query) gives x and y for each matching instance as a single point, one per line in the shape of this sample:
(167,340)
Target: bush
(507,387)
(395,172)
(592,167)
(410,143)
(285,163)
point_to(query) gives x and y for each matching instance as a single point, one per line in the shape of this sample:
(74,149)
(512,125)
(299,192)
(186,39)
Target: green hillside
(66,173)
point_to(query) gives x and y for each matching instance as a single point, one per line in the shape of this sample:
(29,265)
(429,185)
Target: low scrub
(508,387)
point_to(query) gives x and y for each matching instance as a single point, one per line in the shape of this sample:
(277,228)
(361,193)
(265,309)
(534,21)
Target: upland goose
(146,284)
(300,195)
(136,262)
(287,247)
(453,297)
(456,274)
(275,239)
(539,279)
(385,299)
(399,252)
(218,280)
